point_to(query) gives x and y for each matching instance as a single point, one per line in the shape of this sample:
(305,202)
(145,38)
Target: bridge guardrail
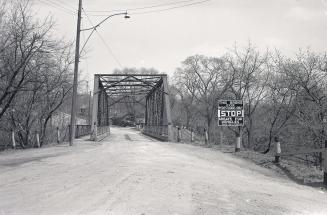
(156,131)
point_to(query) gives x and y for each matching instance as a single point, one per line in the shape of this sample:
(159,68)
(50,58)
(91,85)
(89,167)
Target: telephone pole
(74,98)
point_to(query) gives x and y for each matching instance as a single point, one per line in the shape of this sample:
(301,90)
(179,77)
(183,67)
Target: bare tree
(251,74)
(34,72)
(21,42)
(205,81)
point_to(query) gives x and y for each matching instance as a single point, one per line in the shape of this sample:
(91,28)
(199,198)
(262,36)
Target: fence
(156,131)
(80,131)
(185,135)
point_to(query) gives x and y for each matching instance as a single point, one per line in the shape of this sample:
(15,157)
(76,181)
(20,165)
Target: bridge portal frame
(110,89)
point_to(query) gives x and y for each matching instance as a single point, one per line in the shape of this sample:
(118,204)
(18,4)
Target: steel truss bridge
(110,89)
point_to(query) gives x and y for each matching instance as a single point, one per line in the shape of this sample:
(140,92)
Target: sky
(162,40)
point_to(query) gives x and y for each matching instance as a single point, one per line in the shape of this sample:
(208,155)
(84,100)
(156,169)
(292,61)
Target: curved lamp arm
(94,28)
(100,23)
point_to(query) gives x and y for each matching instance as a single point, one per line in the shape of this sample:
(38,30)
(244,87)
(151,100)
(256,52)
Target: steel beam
(167,109)
(95,108)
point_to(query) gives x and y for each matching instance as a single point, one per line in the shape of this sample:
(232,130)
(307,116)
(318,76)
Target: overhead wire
(109,49)
(67,11)
(192,2)
(141,8)
(86,62)
(65,7)
(171,8)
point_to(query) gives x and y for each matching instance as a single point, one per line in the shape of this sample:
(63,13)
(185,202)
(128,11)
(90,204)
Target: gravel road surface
(130,174)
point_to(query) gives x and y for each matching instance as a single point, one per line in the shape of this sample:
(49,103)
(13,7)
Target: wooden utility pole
(74,98)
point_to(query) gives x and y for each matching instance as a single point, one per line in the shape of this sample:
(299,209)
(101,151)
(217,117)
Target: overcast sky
(163,39)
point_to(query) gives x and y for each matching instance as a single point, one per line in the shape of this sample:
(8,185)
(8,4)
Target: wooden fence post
(179,134)
(238,143)
(38,140)
(206,136)
(58,135)
(325,163)
(192,135)
(13,139)
(278,150)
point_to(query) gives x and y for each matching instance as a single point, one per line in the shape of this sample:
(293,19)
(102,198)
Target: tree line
(35,73)
(283,96)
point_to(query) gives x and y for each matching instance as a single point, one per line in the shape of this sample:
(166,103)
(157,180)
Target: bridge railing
(102,130)
(82,130)
(156,131)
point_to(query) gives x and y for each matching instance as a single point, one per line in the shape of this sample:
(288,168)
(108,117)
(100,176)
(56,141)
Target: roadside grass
(298,170)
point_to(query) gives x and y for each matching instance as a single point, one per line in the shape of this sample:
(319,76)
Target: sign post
(231,113)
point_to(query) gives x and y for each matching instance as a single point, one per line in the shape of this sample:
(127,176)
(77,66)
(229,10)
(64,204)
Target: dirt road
(132,174)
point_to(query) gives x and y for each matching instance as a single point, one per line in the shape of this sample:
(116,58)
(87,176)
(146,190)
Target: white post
(13,139)
(238,139)
(192,135)
(179,134)
(238,143)
(38,140)
(58,135)
(278,150)
(206,136)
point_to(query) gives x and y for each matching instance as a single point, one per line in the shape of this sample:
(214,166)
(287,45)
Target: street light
(94,28)
(77,56)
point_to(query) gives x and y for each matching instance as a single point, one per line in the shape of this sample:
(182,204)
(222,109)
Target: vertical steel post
(94,121)
(89,113)
(167,108)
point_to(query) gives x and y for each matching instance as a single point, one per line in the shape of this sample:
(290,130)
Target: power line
(109,49)
(141,8)
(164,9)
(103,41)
(86,62)
(171,8)
(67,5)
(58,6)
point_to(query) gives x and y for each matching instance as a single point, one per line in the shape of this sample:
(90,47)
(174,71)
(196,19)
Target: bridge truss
(111,89)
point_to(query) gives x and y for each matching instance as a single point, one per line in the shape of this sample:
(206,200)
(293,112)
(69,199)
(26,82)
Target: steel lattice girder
(110,89)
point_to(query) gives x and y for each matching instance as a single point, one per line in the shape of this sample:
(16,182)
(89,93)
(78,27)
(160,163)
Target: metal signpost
(230,113)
